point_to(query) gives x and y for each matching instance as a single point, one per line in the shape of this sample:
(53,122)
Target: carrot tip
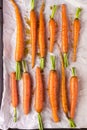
(15,114)
(32,66)
(42,63)
(65,59)
(18,70)
(72,123)
(74,58)
(40,122)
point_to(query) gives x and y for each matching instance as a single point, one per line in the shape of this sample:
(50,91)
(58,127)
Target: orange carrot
(33,23)
(53,90)
(39,100)
(14,93)
(42,36)
(39,95)
(76,33)
(64,99)
(73,93)
(64,35)
(52,29)
(63,86)
(19,51)
(26,89)
(64,90)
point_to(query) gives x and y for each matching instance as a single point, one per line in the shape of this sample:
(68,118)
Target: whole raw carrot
(19,51)
(26,89)
(64,35)
(64,90)
(14,93)
(52,29)
(39,95)
(39,92)
(76,32)
(73,93)
(42,37)
(33,24)
(64,98)
(53,90)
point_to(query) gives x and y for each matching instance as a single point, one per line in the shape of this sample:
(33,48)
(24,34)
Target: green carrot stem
(40,122)
(73,71)
(78,11)
(15,114)
(65,59)
(24,66)
(42,63)
(54,8)
(32,4)
(72,123)
(52,62)
(18,70)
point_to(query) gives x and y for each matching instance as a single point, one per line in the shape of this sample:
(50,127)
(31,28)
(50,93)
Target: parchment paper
(9,36)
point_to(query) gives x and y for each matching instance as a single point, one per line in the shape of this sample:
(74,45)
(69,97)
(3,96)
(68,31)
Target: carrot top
(65,60)
(54,8)
(73,71)
(78,11)
(52,62)
(72,123)
(18,70)
(40,122)
(32,4)
(42,63)
(24,66)
(15,114)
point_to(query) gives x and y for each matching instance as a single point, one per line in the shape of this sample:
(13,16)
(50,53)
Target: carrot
(33,24)
(53,90)
(14,93)
(64,99)
(64,35)
(76,33)
(19,51)
(39,95)
(39,91)
(26,89)
(64,90)
(52,29)
(73,93)
(42,36)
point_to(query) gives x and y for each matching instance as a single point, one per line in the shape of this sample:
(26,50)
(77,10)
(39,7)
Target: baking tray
(1,62)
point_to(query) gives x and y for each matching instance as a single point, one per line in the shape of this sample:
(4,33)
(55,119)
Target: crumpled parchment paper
(9,36)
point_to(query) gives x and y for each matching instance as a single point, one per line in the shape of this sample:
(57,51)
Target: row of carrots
(53,83)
